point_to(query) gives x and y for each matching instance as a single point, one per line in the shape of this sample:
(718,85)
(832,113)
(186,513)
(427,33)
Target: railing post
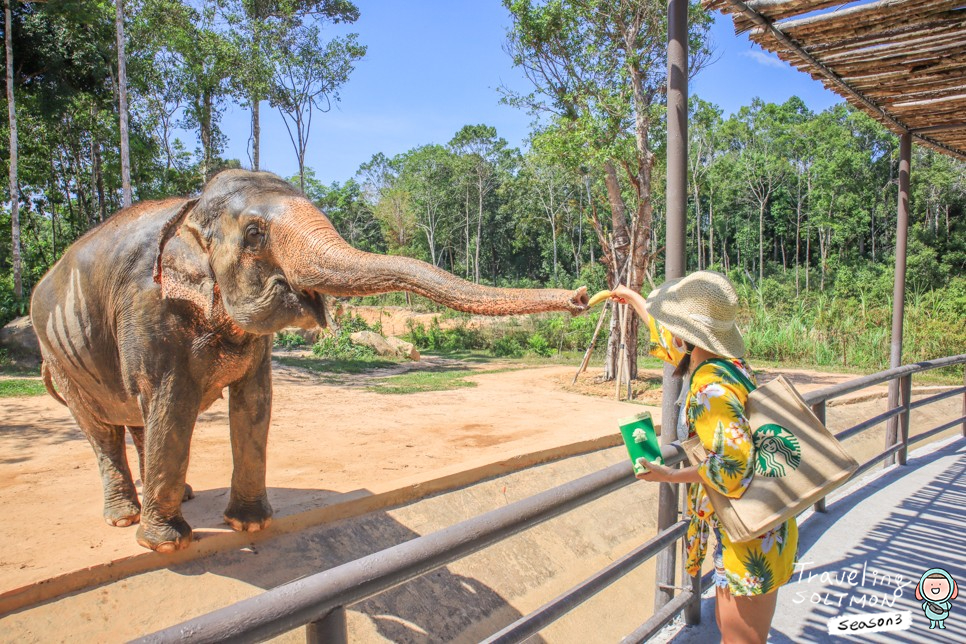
(819,410)
(905,394)
(892,425)
(899,287)
(692,612)
(331,629)
(675,260)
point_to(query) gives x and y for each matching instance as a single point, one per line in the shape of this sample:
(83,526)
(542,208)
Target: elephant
(150,316)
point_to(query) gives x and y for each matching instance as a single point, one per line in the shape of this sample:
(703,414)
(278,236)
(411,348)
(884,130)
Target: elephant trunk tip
(579,302)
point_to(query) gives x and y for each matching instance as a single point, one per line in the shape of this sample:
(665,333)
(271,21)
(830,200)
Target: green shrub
(539,345)
(507,347)
(459,338)
(338,346)
(288,340)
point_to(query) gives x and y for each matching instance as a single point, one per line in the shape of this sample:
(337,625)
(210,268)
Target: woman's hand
(621,294)
(663,474)
(655,473)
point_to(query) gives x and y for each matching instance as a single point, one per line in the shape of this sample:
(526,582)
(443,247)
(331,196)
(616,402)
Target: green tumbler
(641,440)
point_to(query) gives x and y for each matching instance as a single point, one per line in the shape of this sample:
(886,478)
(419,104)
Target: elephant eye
(254,235)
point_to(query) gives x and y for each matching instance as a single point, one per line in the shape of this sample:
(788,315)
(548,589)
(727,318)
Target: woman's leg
(744,619)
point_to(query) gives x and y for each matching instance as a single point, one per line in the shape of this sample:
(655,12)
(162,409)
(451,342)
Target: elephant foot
(122,512)
(169,536)
(189,493)
(249,517)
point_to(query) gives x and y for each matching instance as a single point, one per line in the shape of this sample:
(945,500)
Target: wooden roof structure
(903,62)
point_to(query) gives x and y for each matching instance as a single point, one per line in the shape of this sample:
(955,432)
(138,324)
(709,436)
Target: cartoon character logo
(936,590)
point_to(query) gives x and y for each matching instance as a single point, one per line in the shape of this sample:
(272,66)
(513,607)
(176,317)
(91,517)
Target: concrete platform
(868,553)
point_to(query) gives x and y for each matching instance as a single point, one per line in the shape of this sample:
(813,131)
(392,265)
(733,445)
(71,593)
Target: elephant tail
(49,384)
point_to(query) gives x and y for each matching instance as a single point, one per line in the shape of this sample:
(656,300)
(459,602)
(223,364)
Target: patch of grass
(335,366)
(420,381)
(21,387)
(9,369)
(480,357)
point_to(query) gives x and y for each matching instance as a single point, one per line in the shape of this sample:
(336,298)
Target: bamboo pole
(593,342)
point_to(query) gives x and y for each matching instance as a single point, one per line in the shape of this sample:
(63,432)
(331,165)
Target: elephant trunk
(318,259)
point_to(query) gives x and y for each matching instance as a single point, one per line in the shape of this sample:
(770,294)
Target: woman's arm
(624,295)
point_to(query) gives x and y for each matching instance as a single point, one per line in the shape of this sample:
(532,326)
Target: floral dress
(714,409)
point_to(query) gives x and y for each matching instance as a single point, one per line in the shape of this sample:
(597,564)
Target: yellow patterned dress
(714,409)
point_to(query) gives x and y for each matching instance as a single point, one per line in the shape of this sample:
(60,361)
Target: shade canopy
(903,62)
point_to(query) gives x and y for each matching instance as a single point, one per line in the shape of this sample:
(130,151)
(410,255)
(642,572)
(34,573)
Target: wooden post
(905,394)
(899,289)
(674,261)
(331,629)
(819,410)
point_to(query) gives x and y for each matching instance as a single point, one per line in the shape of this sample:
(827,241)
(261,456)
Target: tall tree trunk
(204,123)
(122,93)
(466,229)
(798,247)
(698,241)
(711,229)
(479,230)
(761,240)
(14,184)
(256,133)
(808,250)
(98,180)
(616,255)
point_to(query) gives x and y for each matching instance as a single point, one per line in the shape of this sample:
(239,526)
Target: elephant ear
(184,272)
(168,230)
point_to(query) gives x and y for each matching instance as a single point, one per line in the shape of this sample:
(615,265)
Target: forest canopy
(788,201)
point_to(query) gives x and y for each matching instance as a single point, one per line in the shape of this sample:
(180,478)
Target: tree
(308,76)
(550,189)
(760,138)
(703,148)
(122,105)
(255,27)
(345,206)
(12,170)
(389,202)
(426,178)
(482,152)
(598,68)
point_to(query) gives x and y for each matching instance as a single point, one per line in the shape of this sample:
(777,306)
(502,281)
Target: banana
(598,298)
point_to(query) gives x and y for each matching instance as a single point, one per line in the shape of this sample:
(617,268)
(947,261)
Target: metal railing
(318,601)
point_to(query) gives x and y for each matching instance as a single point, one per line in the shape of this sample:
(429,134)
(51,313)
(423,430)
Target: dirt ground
(330,442)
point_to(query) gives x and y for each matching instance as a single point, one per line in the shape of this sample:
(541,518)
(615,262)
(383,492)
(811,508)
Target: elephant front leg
(137,437)
(249,412)
(170,416)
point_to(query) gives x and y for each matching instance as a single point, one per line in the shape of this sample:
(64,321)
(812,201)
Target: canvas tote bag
(797,460)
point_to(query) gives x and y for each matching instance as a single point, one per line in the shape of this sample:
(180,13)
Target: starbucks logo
(778,451)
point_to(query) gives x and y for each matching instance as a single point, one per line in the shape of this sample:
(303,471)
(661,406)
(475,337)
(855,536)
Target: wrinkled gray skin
(149,317)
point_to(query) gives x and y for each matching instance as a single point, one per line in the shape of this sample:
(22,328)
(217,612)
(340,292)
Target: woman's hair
(685,364)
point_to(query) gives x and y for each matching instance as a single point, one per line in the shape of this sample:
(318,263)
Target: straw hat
(700,309)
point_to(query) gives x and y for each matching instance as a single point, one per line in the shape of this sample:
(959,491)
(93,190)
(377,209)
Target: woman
(691,321)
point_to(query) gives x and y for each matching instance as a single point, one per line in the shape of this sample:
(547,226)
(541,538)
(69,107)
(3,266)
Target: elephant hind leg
(137,437)
(121,507)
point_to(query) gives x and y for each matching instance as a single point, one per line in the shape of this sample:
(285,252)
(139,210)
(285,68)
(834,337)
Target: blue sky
(435,65)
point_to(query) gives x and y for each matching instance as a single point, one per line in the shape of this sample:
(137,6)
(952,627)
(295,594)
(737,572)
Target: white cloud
(767,60)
